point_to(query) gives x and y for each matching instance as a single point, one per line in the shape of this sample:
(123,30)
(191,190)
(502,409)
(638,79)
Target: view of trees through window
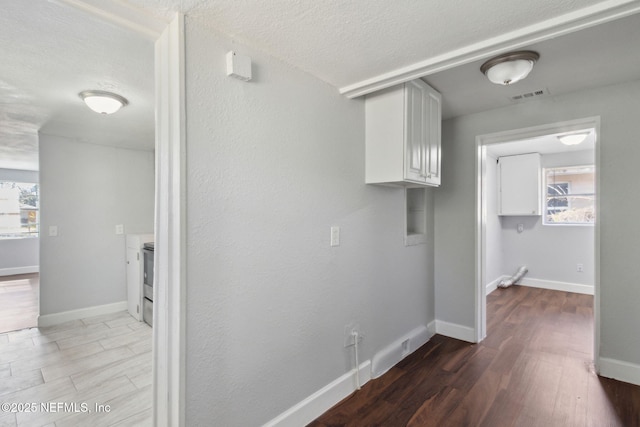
(570,196)
(19,209)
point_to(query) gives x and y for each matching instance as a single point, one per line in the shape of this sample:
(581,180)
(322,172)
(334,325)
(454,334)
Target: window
(570,195)
(19,213)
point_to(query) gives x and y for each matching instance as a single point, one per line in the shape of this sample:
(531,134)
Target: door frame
(482,141)
(169,332)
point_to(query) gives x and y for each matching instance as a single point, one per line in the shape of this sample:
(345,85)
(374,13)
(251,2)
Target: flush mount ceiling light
(573,138)
(103,102)
(510,67)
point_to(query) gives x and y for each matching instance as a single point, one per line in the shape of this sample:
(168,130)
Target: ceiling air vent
(530,95)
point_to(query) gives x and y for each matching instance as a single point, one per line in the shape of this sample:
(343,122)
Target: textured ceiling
(548,144)
(597,56)
(52,51)
(344,42)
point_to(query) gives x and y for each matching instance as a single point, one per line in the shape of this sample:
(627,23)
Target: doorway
(499,233)
(19,306)
(19,242)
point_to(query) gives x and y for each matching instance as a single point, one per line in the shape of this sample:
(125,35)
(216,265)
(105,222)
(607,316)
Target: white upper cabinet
(403,135)
(519,185)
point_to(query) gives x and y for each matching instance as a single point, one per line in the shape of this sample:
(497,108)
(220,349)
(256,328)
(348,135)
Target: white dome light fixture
(103,102)
(573,138)
(510,67)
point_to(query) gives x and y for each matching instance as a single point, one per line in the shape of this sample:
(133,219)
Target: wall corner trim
(322,400)
(619,370)
(453,330)
(66,316)
(431,328)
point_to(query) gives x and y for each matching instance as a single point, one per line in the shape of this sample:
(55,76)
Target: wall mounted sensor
(238,66)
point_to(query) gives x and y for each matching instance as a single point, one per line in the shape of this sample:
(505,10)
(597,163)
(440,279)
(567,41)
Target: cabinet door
(433,143)
(415,132)
(133,283)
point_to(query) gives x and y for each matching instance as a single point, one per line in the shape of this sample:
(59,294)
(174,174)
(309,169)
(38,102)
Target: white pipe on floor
(513,279)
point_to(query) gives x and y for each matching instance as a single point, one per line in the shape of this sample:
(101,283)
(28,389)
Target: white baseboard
(431,328)
(456,331)
(19,270)
(619,370)
(319,402)
(65,316)
(558,286)
(389,356)
(324,399)
(494,285)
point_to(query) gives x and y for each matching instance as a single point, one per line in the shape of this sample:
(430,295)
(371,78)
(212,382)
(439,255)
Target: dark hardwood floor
(534,369)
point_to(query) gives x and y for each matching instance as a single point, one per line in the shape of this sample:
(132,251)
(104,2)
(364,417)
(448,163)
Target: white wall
(455,200)
(19,255)
(272,164)
(551,252)
(86,190)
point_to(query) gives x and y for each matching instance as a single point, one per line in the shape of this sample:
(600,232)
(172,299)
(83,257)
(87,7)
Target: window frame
(545,195)
(24,234)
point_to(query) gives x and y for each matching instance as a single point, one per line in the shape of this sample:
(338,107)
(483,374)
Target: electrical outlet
(348,334)
(580,268)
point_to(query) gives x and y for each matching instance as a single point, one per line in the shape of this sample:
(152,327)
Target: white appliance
(135,272)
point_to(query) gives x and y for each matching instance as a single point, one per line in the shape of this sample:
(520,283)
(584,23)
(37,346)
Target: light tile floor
(19,306)
(95,371)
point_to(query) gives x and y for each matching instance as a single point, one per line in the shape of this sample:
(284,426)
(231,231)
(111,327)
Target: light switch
(335,236)
(520,228)
(120,229)
(53,231)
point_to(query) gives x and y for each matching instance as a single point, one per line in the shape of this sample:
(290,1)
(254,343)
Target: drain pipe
(513,279)
(356,338)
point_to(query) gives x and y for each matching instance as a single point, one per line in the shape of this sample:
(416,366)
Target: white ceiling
(52,51)
(598,56)
(548,144)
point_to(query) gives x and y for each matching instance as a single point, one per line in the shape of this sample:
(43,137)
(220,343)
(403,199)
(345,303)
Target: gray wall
(18,255)
(86,190)
(272,164)
(551,252)
(618,108)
